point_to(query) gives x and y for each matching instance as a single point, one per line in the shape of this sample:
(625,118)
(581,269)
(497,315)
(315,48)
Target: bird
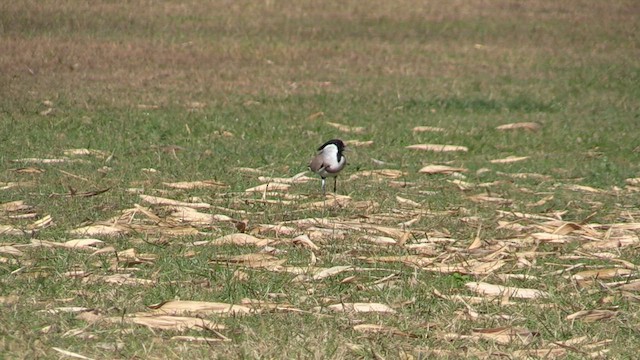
(329,161)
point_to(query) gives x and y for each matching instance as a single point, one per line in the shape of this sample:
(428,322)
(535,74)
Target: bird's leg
(324,192)
(335,182)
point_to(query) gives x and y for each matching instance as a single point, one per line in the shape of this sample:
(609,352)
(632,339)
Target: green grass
(162,87)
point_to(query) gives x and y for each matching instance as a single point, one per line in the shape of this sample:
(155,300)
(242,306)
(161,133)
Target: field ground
(153,201)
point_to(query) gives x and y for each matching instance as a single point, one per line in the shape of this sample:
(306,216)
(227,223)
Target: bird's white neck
(330,152)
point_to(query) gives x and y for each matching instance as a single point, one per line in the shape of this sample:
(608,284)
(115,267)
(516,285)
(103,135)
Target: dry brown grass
(118,53)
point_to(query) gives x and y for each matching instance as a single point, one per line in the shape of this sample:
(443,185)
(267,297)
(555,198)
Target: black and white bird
(329,161)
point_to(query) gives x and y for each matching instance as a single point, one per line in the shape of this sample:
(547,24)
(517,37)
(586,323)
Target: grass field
(152,204)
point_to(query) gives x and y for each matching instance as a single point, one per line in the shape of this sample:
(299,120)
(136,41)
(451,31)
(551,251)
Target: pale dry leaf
(347,129)
(438,147)
(156,230)
(393,232)
(118,279)
(240,275)
(10,250)
(603,274)
(180,307)
(409,222)
(490,199)
(9,299)
(509,159)
(423,250)
(71,354)
(11,185)
(358,143)
(633,181)
(379,240)
(198,339)
(583,188)
(380,329)
(567,228)
(248,170)
(339,201)
(15,206)
(621,226)
(476,244)
(255,260)
(440,169)
(507,277)
(534,176)
(315,115)
(76,274)
(50,161)
(407,202)
(506,334)
(155,200)
(462,185)
(224,218)
(540,202)
(178,323)
(241,240)
(612,243)
(100,230)
(379,173)
(8,230)
(42,223)
(77,332)
(66,309)
(272,251)
(269,187)
(428,129)
(80,244)
(132,255)
(409,260)
(592,315)
(189,185)
(553,238)
(530,126)
(90,244)
(47,329)
(305,241)
(223,133)
(487,289)
(299,178)
(361,307)
(483,171)
(378,162)
(276,229)
(164,322)
(364,206)
(521,215)
(86,152)
(192,216)
(23,216)
(630,286)
(28,170)
(471,267)
(195,105)
(465,300)
(486,267)
(580,340)
(331,272)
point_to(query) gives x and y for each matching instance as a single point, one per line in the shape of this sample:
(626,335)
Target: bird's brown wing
(316,164)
